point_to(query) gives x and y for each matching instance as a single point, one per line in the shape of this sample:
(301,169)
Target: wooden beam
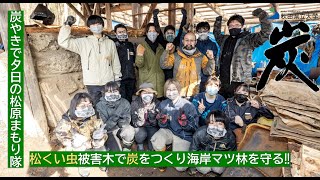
(108,16)
(32,95)
(86,5)
(135,9)
(172,14)
(190,12)
(217,10)
(149,15)
(140,17)
(77,12)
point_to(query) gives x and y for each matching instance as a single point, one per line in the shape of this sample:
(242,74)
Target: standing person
(80,130)
(205,102)
(126,53)
(99,58)
(148,59)
(143,114)
(204,44)
(187,64)
(214,136)
(178,120)
(169,36)
(235,62)
(115,112)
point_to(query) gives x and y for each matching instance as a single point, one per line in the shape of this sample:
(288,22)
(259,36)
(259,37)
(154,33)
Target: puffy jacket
(127,56)
(187,69)
(173,112)
(114,114)
(149,69)
(149,117)
(241,63)
(99,58)
(202,141)
(231,109)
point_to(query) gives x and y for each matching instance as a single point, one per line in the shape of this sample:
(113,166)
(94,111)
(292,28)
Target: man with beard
(187,64)
(234,65)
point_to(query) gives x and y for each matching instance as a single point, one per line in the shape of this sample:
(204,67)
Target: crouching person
(143,114)
(116,114)
(80,130)
(215,136)
(178,120)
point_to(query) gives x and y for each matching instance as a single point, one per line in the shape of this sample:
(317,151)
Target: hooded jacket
(99,58)
(114,114)
(187,69)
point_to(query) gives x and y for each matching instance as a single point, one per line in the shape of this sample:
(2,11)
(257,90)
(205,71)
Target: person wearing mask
(243,110)
(126,53)
(99,58)
(169,36)
(80,130)
(187,64)
(143,114)
(214,136)
(115,112)
(205,102)
(148,59)
(178,120)
(234,65)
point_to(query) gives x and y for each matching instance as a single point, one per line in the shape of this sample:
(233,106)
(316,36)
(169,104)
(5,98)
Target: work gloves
(70,20)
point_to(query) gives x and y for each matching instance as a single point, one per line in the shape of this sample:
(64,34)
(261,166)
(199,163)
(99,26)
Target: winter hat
(146,87)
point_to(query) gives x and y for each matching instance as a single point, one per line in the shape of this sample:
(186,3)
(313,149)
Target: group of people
(189,97)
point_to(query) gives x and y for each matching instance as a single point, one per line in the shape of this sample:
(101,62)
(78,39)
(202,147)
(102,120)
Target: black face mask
(241,98)
(234,31)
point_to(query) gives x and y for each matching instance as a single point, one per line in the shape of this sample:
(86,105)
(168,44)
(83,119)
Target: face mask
(212,90)
(172,95)
(216,132)
(203,36)
(241,98)
(189,52)
(234,31)
(96,29)
(147,98)
(170,37)
(85,113)
(112,97)
(123,36)
(152,36)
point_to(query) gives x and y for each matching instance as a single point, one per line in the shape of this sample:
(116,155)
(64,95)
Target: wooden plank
(77,12)
(172,14)
(149,15)
(217,10)
(108,16)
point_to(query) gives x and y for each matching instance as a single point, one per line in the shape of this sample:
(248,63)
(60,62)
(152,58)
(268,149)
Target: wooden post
(77,12)
(135,9)
(140,17)
(172,14)
(149,15)
(190,12)
(108,16)
(87,7)
(32,95)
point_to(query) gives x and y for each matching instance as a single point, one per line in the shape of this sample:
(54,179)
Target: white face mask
(215,131)
(123,36)
(189,52)
(96,29)
(203,36)
(85,113)
(212,90)
(112,97)
(147,98)
(152,36)
(172,94)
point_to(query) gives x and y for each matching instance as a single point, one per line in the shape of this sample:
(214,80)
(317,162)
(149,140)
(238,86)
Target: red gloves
(162,118)
(182,119)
